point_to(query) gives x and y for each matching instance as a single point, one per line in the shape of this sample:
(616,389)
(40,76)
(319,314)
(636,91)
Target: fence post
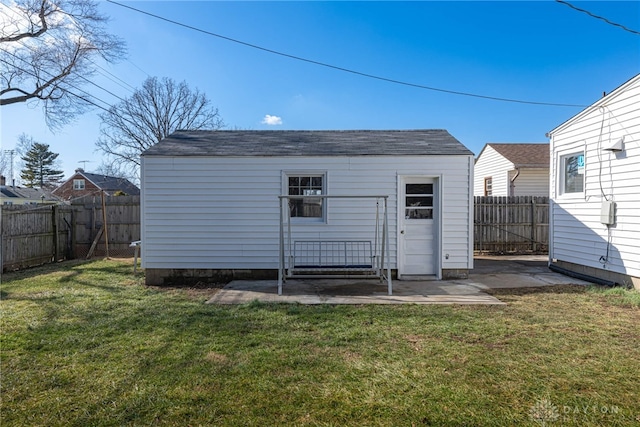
(479,221)
(534,247)
(72,233)
(104,225)
(54,224)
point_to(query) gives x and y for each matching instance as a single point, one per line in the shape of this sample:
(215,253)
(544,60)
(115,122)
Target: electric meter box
(608,212)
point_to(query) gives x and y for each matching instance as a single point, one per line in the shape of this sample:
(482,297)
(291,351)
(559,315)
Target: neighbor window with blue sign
(573,176)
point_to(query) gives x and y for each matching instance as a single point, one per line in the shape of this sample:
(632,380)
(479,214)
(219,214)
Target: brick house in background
(84,183)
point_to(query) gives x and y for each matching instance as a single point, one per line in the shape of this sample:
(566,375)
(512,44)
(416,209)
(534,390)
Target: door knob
(401,231)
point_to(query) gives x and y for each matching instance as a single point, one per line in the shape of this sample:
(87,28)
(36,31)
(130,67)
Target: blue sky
(540,51)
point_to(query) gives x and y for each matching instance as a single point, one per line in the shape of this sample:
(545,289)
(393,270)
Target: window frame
(79,181)
(562,169)
(307,174)
(417,196)
(488,186)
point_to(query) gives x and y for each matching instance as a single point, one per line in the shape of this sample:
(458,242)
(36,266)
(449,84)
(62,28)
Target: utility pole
(11,153)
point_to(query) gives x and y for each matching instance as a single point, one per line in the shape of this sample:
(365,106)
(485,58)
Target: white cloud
(271,120)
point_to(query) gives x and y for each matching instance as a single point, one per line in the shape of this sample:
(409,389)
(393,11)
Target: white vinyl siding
(531,182)
(492,164)
(223,212)
(577,235)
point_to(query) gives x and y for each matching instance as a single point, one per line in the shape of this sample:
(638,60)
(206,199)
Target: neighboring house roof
(34,194)
(104,182)
(293,143)
(523,155)
(112,183)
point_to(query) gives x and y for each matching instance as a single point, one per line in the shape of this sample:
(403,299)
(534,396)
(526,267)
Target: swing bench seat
(333,256)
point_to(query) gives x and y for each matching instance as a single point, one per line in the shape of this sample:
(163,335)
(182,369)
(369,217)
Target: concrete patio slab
(350,291)
(489,273)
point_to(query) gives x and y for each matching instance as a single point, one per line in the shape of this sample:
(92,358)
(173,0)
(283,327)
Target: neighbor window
(572,173)
(488,186)
(78,184)
(306,185)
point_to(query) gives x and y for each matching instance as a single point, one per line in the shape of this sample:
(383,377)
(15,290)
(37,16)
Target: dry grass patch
(88,344)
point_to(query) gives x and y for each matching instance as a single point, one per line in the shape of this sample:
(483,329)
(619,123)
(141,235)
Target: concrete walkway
(489,272)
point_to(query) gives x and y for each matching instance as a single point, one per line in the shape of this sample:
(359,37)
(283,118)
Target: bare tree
(159,108)
(48,51)
(6,163)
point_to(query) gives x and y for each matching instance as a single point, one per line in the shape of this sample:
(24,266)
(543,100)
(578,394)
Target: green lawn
(87,344)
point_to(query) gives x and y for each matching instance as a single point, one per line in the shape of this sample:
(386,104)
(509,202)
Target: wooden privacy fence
(122,216)
(34,235)
(516,224)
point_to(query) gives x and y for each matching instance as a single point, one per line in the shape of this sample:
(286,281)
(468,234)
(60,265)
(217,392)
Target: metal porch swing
(318,258)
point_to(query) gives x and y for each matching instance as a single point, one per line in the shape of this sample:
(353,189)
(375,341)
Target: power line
(32,74)
(115,78)
(346,70)
(23,44)
(26,46)
(85,99)
(599,17)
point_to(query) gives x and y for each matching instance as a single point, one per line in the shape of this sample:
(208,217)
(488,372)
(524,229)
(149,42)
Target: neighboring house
(84,183)
(595,189)
(211,199)
(512,170)
(14,195)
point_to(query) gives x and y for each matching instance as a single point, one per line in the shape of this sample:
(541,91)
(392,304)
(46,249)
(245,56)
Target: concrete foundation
(186,277)
(601,273)
(454,274)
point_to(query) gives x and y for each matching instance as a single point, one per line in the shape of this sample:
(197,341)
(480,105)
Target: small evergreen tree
(40,167)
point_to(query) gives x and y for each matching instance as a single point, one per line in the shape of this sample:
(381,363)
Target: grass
(86,343)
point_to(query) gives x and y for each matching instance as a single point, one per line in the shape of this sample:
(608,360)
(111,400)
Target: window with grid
(488,186)
(418,201)
(78,184)
(306,185)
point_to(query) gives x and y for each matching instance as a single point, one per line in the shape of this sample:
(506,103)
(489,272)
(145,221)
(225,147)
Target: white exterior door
(417,219)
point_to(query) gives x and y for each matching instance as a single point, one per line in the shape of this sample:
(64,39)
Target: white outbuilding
(238,204)
(512,169)
(595,190)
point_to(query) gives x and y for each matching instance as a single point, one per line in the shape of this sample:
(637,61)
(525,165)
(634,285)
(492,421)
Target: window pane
(309,207)
(574,174)
(426,213)
(419,201)
(488,186)
(419,189)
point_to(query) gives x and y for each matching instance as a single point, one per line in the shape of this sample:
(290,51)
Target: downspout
(512,183)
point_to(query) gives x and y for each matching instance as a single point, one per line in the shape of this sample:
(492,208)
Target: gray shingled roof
(523,155)
(27,193)
(112,183)
(315,143)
